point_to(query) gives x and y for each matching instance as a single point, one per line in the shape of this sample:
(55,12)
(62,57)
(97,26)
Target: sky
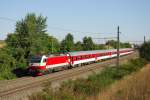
(95,18)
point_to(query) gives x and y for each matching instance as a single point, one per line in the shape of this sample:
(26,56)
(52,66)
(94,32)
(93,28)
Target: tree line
(31,38)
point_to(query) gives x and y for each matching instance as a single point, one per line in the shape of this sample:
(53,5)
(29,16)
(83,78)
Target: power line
(8,19)
(58,28)
(75,31)
(105,38)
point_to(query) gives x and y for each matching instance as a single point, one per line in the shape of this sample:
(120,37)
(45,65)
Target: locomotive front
(37,65)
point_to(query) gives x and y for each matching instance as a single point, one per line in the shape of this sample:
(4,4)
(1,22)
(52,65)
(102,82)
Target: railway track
(62,75)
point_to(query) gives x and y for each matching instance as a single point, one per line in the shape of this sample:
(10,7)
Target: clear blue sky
(71,16)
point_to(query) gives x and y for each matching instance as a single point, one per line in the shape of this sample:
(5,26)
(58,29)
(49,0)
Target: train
(44,64)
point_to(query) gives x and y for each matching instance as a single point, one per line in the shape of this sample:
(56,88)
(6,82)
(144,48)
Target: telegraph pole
(144,39)
(118,45)
(52,45)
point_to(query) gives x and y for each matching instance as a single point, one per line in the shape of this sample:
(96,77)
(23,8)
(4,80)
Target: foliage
(113,44)
(88,43)
(145,51)
(68,42)
(78,46)
(99,46)
(53,44)
(7,64)
(29,38)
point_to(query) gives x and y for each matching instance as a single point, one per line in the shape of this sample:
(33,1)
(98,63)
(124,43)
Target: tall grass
(135,87)
(80,89)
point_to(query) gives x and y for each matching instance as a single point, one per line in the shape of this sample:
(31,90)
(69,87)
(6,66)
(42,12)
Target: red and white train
(44,64)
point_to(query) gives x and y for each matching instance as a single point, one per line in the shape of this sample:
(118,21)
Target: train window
(75,58)
(90,56)
(45,60)
(78,58)
(83,57)
(87,56)
(35,59)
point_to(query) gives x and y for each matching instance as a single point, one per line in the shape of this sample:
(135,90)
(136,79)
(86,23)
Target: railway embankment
(92,86)
(21,88)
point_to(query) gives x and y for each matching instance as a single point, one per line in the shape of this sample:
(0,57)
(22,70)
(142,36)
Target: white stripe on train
(57,65)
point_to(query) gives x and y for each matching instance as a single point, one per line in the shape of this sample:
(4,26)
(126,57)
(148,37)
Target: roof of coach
(75,53)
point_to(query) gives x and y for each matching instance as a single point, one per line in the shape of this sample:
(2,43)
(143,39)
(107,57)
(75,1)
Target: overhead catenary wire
(7,19)
(58,28)
(75,31)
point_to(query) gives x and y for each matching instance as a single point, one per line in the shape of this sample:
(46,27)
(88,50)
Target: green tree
(68,42)
(30,38)
(88,43)
(126,45)
(99,46)
(53,44)
(113,44)
(145,51)
(78,46)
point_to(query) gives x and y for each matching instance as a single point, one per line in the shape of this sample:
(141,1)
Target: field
(2,43)
(134,87)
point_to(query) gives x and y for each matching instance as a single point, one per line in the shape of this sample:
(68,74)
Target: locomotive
(44,64)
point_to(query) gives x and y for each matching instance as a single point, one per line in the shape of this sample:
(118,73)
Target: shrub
(7,63)
(145,51)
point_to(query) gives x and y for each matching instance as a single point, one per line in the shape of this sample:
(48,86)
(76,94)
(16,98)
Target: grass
(2,43)
(134,87)
(80,89)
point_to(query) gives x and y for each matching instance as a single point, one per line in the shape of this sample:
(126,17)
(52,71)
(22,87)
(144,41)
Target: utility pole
(118,45)
(52,45)
(144,39)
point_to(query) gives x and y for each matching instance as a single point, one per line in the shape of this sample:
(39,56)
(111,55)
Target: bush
(145,51)
(7,64)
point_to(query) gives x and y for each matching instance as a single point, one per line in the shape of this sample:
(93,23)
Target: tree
(78,46)
(53,44)
(68,42)
(145,51)
(113,44)
(29,38)
(126,45)
(88,43)
(99,46)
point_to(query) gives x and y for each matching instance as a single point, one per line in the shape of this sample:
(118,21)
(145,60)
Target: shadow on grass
(20,72)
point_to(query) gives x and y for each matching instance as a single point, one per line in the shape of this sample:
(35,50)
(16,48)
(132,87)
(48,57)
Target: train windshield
(35,59)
